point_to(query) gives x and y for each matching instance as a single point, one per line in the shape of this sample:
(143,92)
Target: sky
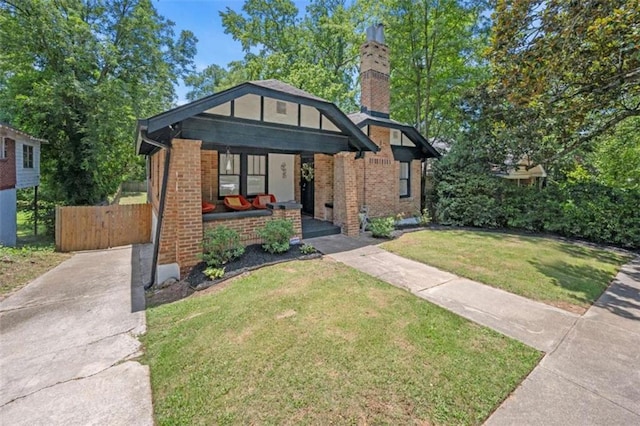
(202,18)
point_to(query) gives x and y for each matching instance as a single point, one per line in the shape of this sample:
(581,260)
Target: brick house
(19,168)
(265,137)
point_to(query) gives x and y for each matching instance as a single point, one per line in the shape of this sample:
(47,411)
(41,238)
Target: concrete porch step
(313,228)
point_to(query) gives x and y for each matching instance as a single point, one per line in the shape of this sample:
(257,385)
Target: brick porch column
(181,237)
(345,194)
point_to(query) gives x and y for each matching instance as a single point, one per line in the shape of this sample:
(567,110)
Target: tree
(316,52)
(564,73)
(78,73)
(436,48)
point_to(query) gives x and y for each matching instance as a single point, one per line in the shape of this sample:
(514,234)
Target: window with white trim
(27,156)
(3,149)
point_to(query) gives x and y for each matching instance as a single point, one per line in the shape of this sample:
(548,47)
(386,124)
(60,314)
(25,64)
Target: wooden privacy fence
(100,227)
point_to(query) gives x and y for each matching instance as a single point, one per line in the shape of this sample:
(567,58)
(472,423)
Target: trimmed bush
(221,245)
(214,273)
(382,227)
(307,249)
(276,235)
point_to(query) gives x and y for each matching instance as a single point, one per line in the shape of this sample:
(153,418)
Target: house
(19,168)
(522,174)
(323,166)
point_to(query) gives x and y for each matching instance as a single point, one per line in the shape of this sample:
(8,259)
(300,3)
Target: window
(27,157)
(3,149)
(229,166)
(256,174)
(405,187)
(281,107)
(244,174)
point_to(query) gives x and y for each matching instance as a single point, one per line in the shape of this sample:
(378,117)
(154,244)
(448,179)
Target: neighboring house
(522,173)
(19,168)
(257,138)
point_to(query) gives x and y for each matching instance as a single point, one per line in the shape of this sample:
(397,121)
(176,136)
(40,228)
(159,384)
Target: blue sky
(202,17)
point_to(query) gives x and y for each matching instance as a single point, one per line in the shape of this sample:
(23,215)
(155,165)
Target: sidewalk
(67,345)
(591,373)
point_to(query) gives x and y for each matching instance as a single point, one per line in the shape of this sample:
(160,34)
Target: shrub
(382,227)
(221,245)
(307,249)
(276,235)
(424,217)
(214,273)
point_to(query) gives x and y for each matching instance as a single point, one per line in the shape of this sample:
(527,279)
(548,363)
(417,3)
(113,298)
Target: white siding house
(19,168)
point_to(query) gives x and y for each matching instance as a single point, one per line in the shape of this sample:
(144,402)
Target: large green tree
(564,73)
(78,73)
(316,51)
(436,57)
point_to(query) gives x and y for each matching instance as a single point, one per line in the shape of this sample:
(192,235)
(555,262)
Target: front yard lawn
(316,342)
(566,275)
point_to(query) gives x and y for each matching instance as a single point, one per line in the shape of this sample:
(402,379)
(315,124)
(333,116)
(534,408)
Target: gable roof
(285,88)
(362,119)
(20,132)
(156,126)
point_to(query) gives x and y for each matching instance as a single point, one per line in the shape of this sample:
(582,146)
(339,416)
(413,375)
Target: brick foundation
(247,226)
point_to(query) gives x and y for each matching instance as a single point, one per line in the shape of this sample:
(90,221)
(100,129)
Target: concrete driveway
(68,341)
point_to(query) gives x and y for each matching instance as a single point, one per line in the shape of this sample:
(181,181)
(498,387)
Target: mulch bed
(254,257)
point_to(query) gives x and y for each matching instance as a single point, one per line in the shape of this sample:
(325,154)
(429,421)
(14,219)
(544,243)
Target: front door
(306,184)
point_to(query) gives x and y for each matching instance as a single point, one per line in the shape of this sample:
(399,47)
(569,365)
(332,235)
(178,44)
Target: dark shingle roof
(361,119)
(285,88)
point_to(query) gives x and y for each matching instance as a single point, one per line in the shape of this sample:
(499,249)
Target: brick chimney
(374,73)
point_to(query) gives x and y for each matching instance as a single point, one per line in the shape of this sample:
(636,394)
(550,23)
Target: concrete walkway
(67,340)
(591,373)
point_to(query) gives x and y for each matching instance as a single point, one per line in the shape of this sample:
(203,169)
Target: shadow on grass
(585,282)
(584,252)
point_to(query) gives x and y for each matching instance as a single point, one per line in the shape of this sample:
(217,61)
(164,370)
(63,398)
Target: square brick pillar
(345,194)
(181,238)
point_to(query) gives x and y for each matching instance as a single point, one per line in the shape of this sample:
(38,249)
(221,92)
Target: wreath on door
(307,172)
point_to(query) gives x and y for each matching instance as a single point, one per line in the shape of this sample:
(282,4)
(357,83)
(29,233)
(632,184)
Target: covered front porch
(257,138)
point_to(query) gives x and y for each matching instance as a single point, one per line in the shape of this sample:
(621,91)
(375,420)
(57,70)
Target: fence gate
(100,227)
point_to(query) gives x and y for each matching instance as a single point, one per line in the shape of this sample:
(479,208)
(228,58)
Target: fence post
(57,229)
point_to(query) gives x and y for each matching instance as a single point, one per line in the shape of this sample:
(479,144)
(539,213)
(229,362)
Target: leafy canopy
(316,51)
(78,73)
(563,73)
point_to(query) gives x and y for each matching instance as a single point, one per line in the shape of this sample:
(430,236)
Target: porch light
(228,166)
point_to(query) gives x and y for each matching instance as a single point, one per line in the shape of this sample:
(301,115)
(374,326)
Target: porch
(254,139)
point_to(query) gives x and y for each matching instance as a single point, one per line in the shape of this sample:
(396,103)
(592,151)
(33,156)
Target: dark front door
(306,184)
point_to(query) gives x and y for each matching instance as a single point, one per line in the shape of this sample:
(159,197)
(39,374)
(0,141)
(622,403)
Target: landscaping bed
(254,257)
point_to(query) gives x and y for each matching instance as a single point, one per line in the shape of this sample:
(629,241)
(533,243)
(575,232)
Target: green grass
(20,265)
(133,198)
(25,229)
(32,257)
(316,342)
(570,276)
